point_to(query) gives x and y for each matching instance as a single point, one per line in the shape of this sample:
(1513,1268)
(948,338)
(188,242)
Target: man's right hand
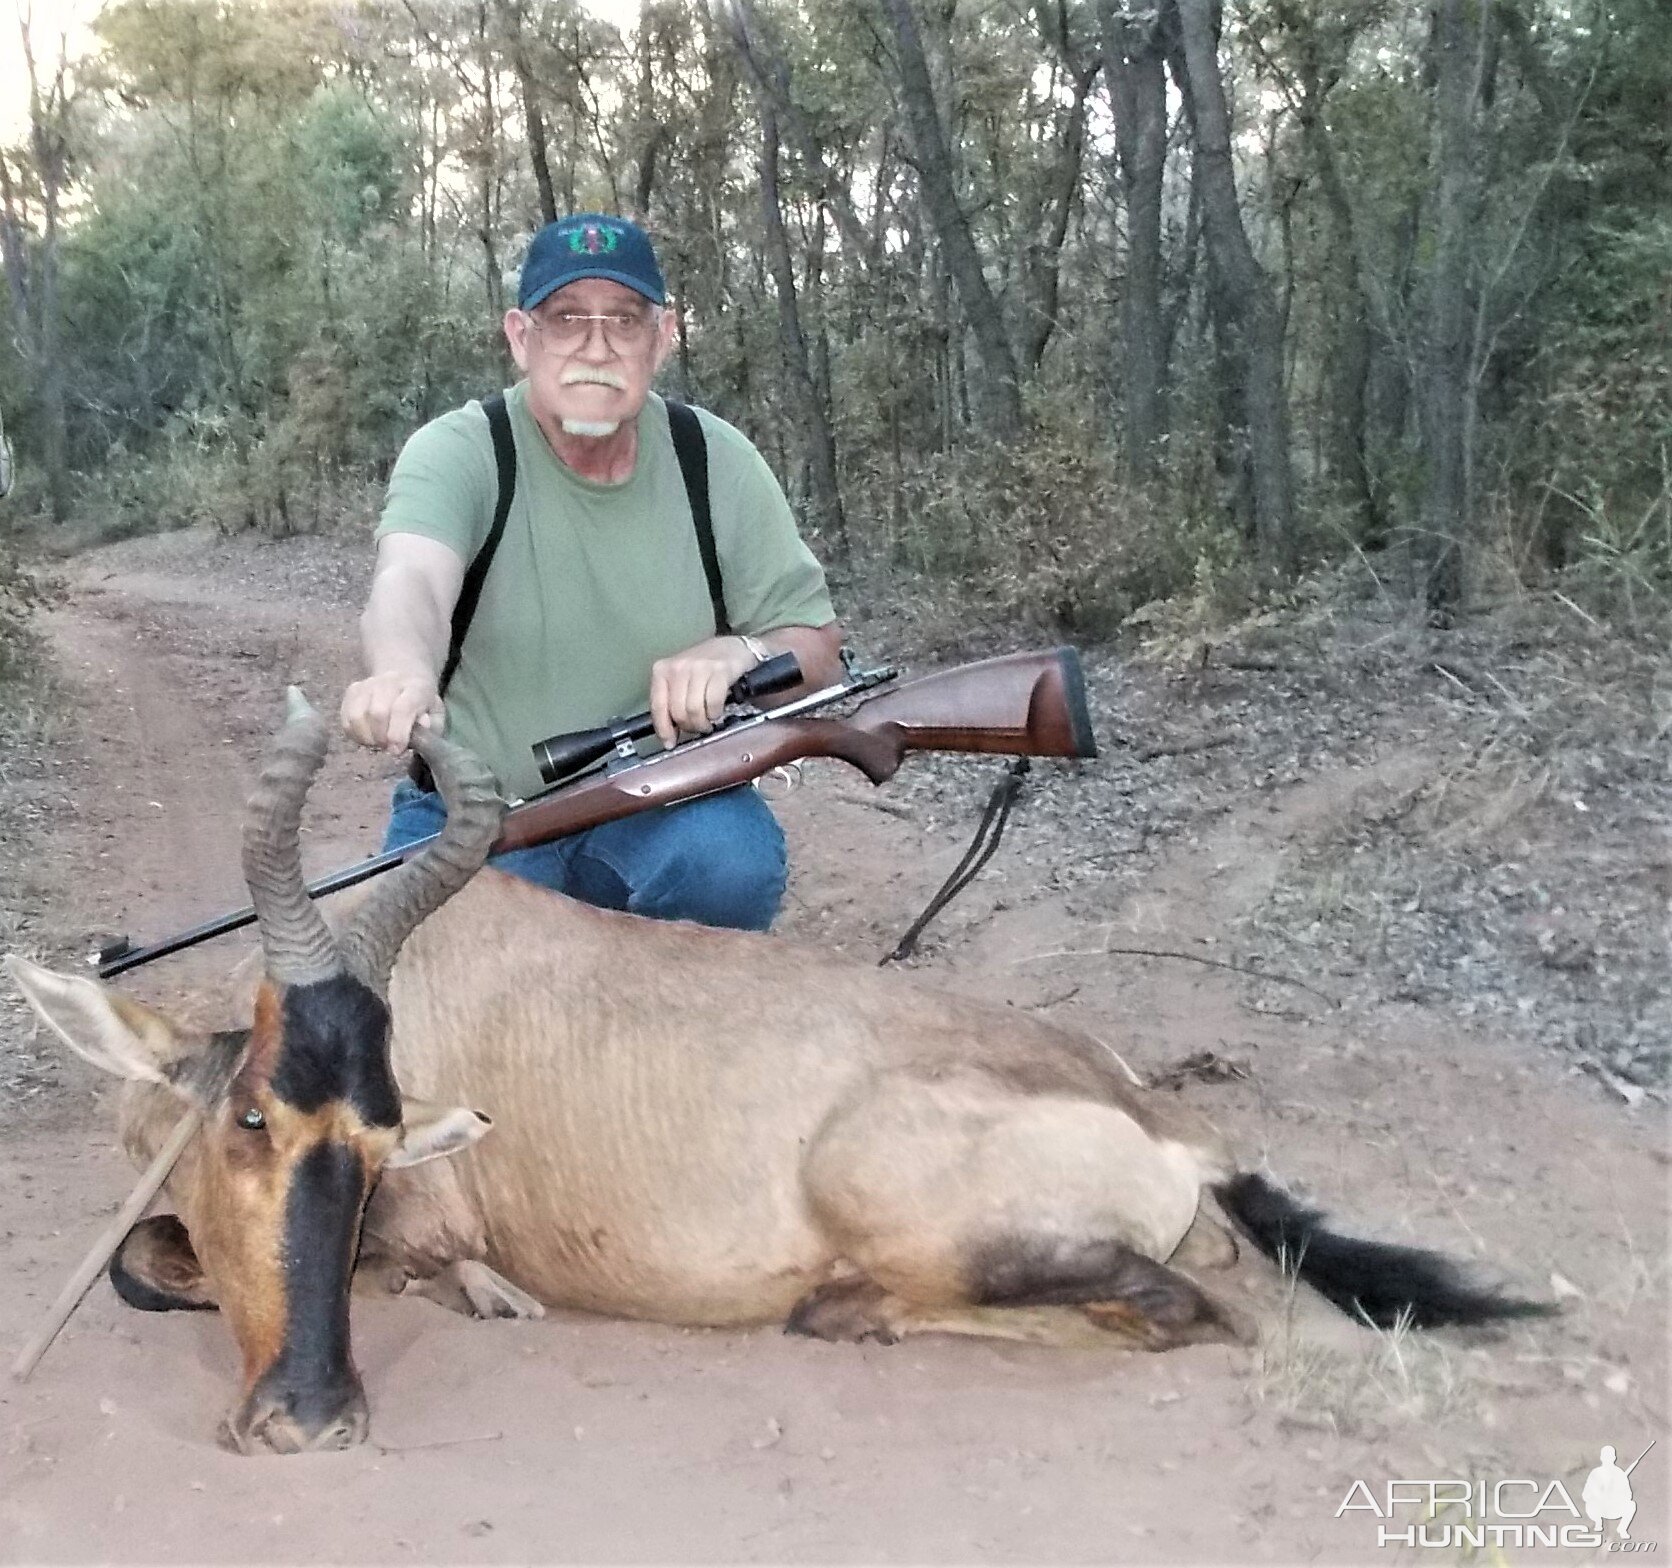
(381,710)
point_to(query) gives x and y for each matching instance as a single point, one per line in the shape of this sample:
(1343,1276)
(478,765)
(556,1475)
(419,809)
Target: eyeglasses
(566,331)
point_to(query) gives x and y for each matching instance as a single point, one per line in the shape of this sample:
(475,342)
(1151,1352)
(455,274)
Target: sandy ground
(582,1439)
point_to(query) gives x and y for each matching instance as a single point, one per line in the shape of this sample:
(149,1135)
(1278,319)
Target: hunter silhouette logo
(1607,1494)
(595,239)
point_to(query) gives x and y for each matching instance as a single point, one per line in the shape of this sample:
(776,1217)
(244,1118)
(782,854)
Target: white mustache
(602,378)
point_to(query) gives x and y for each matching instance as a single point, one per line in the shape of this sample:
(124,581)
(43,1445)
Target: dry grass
(33,723)
(1385,1376)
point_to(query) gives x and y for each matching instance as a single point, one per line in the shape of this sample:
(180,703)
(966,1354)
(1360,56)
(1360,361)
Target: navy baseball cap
(590,245)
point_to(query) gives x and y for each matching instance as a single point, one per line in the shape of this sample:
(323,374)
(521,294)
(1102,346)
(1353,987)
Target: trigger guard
(778,782)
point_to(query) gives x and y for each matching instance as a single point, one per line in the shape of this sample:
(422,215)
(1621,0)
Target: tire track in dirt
(166,811)
(176,689)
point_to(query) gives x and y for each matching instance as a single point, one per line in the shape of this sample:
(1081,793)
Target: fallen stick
(109,1240)
(1188,958)
(1184,748)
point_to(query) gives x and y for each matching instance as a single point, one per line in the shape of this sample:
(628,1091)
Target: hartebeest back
(848,1154)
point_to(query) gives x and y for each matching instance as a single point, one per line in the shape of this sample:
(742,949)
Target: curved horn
(299,946)
(416,890)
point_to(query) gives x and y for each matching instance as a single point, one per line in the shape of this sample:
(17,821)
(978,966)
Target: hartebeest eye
(252,1120)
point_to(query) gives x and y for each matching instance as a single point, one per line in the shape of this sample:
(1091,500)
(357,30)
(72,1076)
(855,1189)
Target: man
(596,603)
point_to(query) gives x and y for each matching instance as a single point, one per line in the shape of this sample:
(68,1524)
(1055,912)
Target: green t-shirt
(592,583)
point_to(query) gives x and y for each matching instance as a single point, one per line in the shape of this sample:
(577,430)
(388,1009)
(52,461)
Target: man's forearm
(402,631)
(818,649)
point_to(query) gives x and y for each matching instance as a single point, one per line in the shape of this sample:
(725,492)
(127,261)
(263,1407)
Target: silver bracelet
(755,646)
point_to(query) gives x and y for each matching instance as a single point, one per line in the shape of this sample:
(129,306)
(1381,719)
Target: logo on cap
(594,239)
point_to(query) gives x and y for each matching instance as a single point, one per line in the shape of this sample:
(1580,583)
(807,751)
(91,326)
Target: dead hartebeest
(691,1126)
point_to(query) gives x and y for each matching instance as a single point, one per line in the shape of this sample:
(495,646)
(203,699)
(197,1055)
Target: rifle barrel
(351,876)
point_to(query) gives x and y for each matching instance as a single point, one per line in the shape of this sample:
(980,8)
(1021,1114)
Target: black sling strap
(470,591)
(690,447)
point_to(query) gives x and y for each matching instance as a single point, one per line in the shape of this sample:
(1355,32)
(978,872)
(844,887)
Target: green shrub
(21,593)
(1047,532)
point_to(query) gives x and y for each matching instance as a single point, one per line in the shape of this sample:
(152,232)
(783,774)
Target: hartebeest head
(303,1110)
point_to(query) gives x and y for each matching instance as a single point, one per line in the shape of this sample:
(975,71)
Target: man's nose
(595,346)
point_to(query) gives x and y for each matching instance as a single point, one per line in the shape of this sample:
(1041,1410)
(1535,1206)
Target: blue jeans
(719,860)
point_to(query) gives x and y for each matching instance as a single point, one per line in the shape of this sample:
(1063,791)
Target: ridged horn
(298,944)
(411,893)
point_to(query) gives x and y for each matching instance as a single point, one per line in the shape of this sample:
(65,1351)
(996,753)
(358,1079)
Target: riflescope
(561,756)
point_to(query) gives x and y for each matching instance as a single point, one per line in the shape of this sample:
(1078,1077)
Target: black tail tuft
(1373,1280)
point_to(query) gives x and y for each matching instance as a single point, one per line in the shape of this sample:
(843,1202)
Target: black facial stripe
(336,1047)
(321,1229)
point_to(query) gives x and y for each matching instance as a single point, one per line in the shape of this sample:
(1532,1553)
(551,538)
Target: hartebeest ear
(431,1132)
(156,1269)
(114,1033)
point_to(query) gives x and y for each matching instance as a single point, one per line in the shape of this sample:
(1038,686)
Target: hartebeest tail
(1376,1281)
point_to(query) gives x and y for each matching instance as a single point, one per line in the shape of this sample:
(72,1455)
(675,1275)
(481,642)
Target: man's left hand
(688,690)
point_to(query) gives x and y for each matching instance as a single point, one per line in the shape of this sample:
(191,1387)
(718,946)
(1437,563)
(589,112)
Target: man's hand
(688,690)
(381,710)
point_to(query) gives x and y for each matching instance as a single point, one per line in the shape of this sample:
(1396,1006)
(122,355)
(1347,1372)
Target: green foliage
(1046,532)
(348,164)
(1597,481)
(22,592)
(1586,450)
(294,224)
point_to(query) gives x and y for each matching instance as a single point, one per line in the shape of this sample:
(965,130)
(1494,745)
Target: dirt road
(579,1439)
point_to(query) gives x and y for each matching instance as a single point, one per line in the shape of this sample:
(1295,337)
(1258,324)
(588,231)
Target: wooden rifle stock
(1021,705)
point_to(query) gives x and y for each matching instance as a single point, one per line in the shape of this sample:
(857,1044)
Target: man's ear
(667,334)
(112,1032)
(516,337)
(431,1132)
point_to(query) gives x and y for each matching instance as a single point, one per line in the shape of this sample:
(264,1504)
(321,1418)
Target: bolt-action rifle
(1020,705)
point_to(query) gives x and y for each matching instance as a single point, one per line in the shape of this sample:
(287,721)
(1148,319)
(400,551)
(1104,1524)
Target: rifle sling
(981,850)
(690,447)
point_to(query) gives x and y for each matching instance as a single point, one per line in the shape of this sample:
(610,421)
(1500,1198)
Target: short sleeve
(443,483)
(771,578)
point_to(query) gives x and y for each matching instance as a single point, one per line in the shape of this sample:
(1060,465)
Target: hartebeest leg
(1119,1290)
(960,1201)
(485,1292)
(420,1224)
(853,1310)
(1143,1303)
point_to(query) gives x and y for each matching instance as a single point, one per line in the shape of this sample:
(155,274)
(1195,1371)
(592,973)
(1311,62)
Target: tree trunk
(493,280)
(1446,415)
(1346,419)
(1231,461)
(651,130)
(1135,68)
(33,280)
(534,122)
(772,77)
(820,438)
(998,403)
(1044,267)
(534,126)
(1246,291)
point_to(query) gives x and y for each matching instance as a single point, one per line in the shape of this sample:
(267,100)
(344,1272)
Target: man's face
(589,376)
